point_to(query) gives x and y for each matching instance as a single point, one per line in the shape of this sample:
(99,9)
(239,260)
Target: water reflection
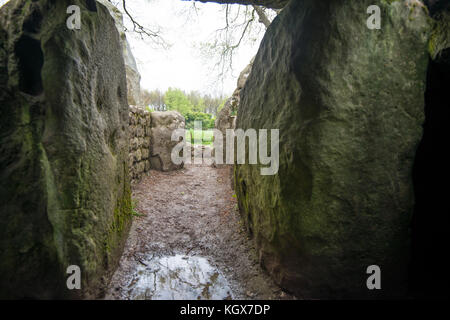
(178,278)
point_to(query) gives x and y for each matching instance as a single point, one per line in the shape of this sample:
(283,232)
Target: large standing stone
(349,105)
(161,144)
(133,76)
(65,195)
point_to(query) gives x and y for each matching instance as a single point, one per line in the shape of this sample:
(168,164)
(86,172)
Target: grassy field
(206,136)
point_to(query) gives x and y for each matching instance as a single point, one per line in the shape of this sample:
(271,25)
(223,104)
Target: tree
(154,99)
(191,106)
(175,99)
(242,23)
(206,119)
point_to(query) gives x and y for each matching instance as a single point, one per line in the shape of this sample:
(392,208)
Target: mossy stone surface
(349,104)
(64,148)
(440,36)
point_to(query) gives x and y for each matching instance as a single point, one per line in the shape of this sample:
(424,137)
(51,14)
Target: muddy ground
(188,242)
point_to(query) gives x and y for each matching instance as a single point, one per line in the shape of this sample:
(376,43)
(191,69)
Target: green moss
(123,214)
(339,201)
(133,209)
(440,35)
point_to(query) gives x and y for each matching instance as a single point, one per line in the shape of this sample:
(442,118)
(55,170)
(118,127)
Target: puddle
(178,277)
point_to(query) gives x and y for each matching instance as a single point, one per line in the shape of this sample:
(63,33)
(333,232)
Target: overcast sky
(182,65)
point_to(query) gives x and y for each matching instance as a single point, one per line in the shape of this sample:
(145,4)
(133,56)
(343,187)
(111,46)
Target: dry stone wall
(150,141)
(138,161)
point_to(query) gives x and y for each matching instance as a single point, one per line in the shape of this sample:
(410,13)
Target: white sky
(182,65)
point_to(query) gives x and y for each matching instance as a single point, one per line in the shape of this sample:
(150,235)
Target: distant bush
(176,99)
(205,118)
(204,137)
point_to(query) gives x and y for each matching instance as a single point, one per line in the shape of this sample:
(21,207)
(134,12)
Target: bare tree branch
(262,16)
(137,27)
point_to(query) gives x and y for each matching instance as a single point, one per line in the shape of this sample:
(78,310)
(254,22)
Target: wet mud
(187,241)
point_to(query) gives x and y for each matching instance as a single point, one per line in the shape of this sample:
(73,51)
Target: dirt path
(189,242)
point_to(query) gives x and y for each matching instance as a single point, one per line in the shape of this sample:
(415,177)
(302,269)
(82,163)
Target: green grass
(206,136)
(135,213)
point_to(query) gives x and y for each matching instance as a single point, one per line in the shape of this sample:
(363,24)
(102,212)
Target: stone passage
(138,160)
(188,242)
(349,104)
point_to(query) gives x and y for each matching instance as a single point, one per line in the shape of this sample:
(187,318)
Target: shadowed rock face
(437,6)
(430,222)
(65,195)
(349,104)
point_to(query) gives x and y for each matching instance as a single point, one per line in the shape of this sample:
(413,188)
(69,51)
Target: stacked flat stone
(138,161)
